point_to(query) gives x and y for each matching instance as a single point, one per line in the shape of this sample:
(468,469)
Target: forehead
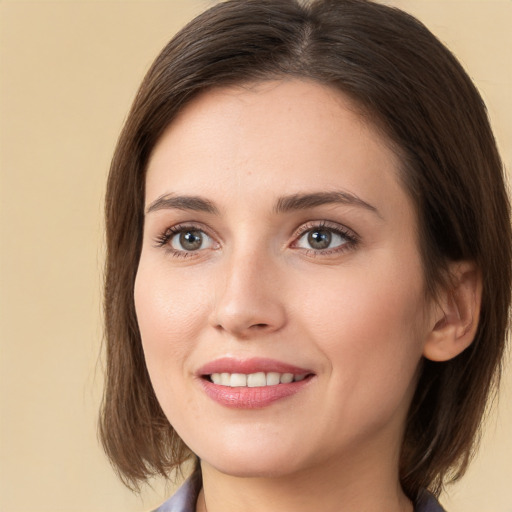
(273,137)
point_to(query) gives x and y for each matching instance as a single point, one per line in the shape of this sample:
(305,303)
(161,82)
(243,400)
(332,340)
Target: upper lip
(248,366)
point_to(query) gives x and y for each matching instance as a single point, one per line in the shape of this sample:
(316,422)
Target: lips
(252,383)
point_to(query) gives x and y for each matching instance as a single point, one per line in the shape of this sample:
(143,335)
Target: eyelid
(325,224)
(163,239)
(350,235)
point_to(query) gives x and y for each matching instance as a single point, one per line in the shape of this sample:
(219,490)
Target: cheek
(170,313)
(382,306)
(370,327)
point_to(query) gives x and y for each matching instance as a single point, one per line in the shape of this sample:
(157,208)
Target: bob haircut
(405,82)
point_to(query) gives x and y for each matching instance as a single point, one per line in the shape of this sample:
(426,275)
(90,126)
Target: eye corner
(324,238)
(185,240)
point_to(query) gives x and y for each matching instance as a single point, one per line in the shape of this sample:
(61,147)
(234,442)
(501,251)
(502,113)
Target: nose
(249,301)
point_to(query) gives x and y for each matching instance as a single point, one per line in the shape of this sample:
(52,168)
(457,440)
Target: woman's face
(279,245)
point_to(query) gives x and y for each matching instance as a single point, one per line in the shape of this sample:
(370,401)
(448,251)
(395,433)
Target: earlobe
(455,321)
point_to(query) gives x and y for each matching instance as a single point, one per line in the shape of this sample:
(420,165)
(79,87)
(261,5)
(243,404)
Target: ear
(456,314)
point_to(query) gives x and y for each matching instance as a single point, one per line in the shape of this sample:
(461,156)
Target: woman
(308,272)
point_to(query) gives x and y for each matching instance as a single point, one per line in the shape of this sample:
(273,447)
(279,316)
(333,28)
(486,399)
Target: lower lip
(251,398)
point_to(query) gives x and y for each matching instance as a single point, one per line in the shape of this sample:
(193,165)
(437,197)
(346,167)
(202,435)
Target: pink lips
(256,364)
(246,397)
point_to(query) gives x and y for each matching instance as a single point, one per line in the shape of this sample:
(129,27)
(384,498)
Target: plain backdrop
(68,73)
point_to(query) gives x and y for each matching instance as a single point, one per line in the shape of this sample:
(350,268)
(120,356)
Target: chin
(258,462)
(243,468)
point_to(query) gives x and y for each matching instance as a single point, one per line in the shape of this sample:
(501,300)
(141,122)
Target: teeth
(238,380)
(286,378)
(273,378)
(254,380)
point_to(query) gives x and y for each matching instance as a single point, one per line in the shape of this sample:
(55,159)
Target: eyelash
(352,239)
(163,240)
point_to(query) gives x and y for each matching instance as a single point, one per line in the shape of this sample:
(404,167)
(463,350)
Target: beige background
(68,73)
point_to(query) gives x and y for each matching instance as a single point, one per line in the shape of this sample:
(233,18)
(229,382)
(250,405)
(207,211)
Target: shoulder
(185,498)
(427,502)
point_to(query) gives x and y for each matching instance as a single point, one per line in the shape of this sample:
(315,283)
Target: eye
(320,239)
(324,239)
(184,240)
(190,240)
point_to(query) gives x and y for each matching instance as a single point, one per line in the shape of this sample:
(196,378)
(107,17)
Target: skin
(355,314)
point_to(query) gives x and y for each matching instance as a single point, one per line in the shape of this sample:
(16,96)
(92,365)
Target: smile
(255,380)
(253,383)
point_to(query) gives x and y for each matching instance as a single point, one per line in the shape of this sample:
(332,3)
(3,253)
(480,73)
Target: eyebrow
(312,200)
(283,205)
(194,203)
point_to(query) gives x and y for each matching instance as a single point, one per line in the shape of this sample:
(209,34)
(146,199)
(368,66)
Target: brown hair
(410,86)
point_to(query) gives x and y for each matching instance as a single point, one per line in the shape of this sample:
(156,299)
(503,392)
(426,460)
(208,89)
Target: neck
(330,488)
